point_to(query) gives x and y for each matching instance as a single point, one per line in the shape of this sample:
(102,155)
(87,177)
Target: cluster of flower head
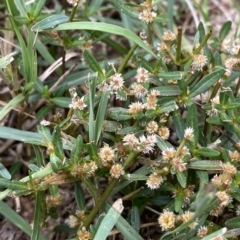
(108,159)
(74,2)
(168,220)
(222,182)
(77,102)
(147,14)
(232,48)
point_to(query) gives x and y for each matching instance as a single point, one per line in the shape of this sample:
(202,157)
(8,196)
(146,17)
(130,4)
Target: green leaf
(206,82)
(55,162)
(94,6)
(57,142)
(112,126)
(168,90)
(109,220)
(163,144)
(129,130)
(4,172)
(135,177)
(16,219)
(135,218)
(142,62)
(179,124)
(13,103)
(126,9)
(49,22)
(39,156)
(61,101)
(170,75)
(225,30)
(160,19)
(182,178)
(13,185)
(105,27)
(214,120)
(207,152)
(76,151)
(178,202)
(92,150)
(119,114)
(20,4)
(101,114)
(38,215)
(203,176)
(37,7)
(205,165)
(233,223)
(92,62)
(232,233)
(80,197)
(192,122)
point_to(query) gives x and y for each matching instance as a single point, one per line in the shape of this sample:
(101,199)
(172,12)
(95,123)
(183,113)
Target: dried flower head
(83,234)
(233,64)
(224,197)
(167,220)
(147,16)
(229,168)
(117,170)
(185,217)
(152,127)
(138,90)
(168,154)
(142,75)
(75,220)
(116,81)
(77,103)
(152,99)
(199,61)
(235,156)
(154,181)
(164,133)
(45,123)
(178,164)
(135,107)
(53,201)
(217,211)
(202,231)
(162,47)
(188,133)
(106,154)
(168,36)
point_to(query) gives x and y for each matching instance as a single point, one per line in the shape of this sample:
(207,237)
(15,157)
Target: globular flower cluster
(230,46)
(141,144)
(198,62)
(154,181)
(77,103)
(147,15)
(213,111)
(168,219)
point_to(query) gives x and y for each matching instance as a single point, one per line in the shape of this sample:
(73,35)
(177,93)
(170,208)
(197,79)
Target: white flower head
(188,133)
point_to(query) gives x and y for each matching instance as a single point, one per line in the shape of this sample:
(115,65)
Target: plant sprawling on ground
(146,129)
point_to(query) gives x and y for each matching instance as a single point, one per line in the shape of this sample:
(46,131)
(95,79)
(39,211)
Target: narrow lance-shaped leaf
(225,30)
(4,172)
(55,162)
(13,185)
(92,62)
(57,142)
(77,149)
(105,27)
(80,197)
(38,215)
(206,82)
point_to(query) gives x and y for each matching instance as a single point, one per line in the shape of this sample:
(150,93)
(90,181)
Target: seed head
(164,133)
(117,170)
(188,216)
(147,16)
(188,133)
(154,181)
(167,220)
(169,36)
(199,61)
(106,154)
(224,198)
(202,231)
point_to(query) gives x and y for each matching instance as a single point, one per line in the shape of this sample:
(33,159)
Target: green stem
(128,56)
(150,37)
(182,144)
(107,192)
(199,48)
(73,12)
(179,44)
